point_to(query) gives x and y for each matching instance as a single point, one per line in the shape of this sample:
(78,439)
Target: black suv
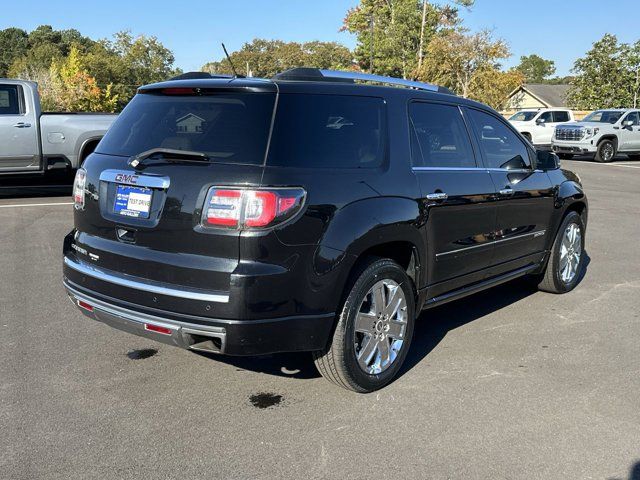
(311,212)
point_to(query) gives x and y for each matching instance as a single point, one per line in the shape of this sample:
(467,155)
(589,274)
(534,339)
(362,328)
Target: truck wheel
(566,260)
(374,329)
(606,151)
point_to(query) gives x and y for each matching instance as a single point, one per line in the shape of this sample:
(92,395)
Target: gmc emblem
(126,178)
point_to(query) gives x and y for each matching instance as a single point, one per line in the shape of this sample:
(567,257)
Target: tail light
(239,208)
(78,188)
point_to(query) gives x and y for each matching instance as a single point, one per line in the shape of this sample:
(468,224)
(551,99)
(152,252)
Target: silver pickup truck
(35,142)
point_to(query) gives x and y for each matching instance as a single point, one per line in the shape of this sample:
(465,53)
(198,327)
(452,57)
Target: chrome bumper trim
(146,285)
(184,335)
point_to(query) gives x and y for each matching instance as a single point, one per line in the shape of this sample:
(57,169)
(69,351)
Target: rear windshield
(229,127)
(328,131)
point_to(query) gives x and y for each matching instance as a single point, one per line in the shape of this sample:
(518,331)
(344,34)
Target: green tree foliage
(265,58)
(396,32)
(114,67)
(535,68)
(607,76)
(469,64)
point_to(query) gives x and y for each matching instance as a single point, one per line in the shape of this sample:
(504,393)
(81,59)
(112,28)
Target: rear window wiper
(169,152)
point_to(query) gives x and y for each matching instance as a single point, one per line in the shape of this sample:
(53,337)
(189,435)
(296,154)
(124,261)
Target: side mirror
(627,123)
(540,121)
(547,160)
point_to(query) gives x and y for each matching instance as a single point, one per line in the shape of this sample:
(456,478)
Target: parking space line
(610,164)
(35,204)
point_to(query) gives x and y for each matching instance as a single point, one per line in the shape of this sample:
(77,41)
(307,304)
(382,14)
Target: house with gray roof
(537,95)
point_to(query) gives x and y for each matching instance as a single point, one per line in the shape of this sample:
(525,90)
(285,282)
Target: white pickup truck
(602,133)
(537,124)
(34,142)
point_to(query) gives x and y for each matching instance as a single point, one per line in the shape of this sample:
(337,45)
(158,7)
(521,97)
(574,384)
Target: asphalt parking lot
(510,383)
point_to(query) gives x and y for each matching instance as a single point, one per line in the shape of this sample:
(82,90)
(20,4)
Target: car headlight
(590,132)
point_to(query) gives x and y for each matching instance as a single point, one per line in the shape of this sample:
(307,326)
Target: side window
(500,146)
(560,116)
(546,116)
(10,100)
(439,136)
(633,116)
(329,131)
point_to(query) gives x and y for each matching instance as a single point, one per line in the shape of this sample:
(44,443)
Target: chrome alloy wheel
(380,326)
(570,252)
(607,152)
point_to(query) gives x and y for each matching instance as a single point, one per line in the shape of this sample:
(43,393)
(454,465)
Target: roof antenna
(233,69)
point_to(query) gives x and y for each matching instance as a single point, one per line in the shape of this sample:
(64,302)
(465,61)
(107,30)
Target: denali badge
(126,178)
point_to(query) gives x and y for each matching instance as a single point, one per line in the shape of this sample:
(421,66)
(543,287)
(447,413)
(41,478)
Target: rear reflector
(85,306)
(157,329)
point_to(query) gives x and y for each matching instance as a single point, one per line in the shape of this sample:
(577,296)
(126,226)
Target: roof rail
(315,74)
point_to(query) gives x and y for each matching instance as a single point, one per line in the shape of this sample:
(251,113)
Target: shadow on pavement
(431,327)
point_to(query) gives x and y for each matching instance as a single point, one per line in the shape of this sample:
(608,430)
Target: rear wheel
(566,262)
(606,151)
(374,329)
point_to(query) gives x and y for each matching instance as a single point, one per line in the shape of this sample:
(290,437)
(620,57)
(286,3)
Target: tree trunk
(424,21)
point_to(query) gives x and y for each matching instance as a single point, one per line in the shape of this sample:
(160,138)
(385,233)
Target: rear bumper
(231,337)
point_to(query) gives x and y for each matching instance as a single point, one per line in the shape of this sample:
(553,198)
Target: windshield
(229,127)
(522,116)
(603,116)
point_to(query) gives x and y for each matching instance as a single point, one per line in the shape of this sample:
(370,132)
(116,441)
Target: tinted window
(331,131)
(10,100)
(546,116)
(440,138)
(500,146)
(560,116)
(603,116)
(231,128)
(633,117)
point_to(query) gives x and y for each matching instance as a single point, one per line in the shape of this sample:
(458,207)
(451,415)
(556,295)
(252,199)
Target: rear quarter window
(329,131)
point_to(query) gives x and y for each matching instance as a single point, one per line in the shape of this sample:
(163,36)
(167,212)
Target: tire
(554,278)
(606,151)
(565,156)
(339,362)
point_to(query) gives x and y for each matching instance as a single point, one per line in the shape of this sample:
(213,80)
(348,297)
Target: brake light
(236,208)
(178,91)
(223,207)
(78,188)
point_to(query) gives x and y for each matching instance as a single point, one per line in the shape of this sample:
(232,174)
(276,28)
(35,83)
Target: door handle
(506,192)
(22,125)
(437,196)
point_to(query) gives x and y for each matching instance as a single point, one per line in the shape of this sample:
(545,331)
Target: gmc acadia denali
(311,212)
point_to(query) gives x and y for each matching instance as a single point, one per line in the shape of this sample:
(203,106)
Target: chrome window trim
(462,169)
(147,286)
(150,181)
(535,234)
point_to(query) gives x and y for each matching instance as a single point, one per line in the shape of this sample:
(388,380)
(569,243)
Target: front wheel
(606,151)
(374,329)
(566,262)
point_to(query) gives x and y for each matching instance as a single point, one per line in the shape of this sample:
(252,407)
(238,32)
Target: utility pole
(424,20)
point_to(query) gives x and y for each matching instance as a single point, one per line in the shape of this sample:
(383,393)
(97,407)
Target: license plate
(133,201)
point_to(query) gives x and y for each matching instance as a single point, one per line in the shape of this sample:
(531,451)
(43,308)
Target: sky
(559,30)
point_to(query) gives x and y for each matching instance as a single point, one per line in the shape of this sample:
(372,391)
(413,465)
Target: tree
(492,86)
(265,58)
(396,32)
(535,68)
(14,44)
(607,76)
(454,59)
